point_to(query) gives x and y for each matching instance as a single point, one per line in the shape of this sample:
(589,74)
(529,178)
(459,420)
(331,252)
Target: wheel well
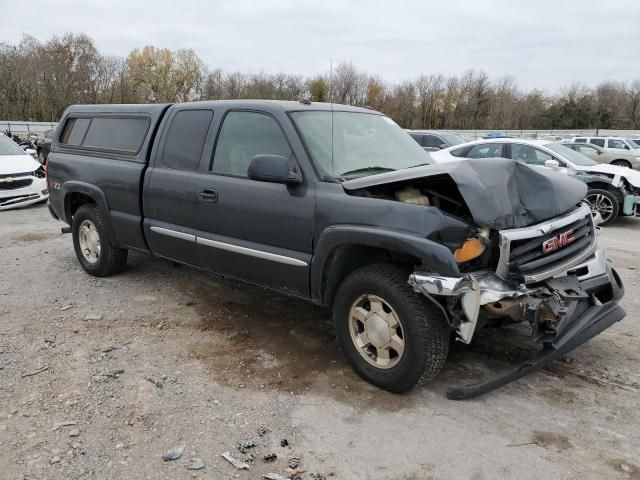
(608,187)
(74,201)
(621,160)
(347,258)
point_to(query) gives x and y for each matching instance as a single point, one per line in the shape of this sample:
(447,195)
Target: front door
(256,231)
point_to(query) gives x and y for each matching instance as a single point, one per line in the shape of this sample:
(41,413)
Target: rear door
(173,189)
(256,231)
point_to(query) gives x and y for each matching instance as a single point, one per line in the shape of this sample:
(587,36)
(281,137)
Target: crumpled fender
(435,256)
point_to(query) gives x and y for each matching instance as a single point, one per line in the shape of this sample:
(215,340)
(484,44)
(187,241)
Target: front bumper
(36,192)
(563,312)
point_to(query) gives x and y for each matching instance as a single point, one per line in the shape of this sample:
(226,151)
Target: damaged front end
(527,253)
(551,275)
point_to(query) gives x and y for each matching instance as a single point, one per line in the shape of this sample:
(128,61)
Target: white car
(613,190)
(22,178)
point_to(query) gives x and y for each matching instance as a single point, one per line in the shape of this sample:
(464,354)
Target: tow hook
(65,230)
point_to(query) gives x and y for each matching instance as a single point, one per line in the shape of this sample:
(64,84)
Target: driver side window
(587,150)
(243,136)
(528,154)
(613,143)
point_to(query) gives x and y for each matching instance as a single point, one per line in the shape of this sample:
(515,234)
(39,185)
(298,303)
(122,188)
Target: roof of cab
(268,105)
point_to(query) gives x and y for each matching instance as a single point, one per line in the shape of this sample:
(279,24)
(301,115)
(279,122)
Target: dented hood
(499,192)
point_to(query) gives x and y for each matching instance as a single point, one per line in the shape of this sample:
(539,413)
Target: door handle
(208,195)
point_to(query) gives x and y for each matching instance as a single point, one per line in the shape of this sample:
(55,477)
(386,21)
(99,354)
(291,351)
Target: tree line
(38,80)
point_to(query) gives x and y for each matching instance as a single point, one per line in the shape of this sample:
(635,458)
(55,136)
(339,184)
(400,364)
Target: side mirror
(443,145)
(272,168)
(552,164)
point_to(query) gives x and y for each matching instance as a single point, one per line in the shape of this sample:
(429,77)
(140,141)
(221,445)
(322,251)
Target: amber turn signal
(469,250)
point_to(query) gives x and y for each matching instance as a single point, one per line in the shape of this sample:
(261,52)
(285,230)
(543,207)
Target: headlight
(473,247)
(469,250)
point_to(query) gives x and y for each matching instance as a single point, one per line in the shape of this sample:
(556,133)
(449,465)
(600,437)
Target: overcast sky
(546,44)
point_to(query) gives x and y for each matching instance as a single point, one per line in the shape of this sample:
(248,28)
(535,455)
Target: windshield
(574,157)
(634,143)
(362,143)
(9,147)
(453,139)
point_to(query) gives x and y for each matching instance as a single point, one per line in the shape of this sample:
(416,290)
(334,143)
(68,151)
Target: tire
(598,199)
(42,158)
(423,328)
(621,163)
(108,259)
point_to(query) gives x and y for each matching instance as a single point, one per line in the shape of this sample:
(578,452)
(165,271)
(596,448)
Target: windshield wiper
(368,169)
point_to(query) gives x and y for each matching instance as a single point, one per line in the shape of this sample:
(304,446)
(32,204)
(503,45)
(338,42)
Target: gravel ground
(100,377)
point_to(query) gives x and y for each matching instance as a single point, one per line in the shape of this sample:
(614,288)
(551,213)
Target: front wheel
(392,336)
(95,252)
(603,202)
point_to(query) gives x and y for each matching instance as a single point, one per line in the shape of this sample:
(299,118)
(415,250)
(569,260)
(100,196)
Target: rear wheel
(95,252)
(392,336)
(621,163)
(603,202)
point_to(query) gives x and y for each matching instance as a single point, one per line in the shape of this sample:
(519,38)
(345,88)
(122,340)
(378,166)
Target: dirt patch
(551,440)
(272,342)
(32,237)
(630,470)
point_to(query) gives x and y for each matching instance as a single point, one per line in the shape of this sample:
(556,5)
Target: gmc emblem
(558,242)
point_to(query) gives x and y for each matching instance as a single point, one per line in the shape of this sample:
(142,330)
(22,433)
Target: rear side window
(126,134)
(185,139)
(487,150)
(74,131)
(243,136)
(431,141)
(597,141)
(417,138)
(460,152)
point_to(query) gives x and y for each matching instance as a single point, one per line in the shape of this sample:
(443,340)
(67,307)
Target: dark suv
(331,203)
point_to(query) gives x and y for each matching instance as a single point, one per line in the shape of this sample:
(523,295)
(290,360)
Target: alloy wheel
(376,331)
(601,204)
(89,241)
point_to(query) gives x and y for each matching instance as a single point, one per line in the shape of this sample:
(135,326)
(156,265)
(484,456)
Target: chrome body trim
(173,233)
(251,252)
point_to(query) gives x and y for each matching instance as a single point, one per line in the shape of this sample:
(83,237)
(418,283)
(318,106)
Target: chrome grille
(522,254)
(15,184)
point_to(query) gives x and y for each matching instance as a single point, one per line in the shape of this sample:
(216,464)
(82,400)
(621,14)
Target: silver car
(600,155)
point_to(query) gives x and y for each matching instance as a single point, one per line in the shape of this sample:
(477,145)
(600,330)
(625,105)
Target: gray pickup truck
(338,205)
